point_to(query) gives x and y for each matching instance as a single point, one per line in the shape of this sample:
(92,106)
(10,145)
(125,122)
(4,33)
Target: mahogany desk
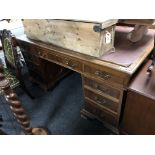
(104,79)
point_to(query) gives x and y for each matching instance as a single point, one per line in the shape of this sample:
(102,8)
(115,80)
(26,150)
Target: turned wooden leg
(15,104)
(17,109)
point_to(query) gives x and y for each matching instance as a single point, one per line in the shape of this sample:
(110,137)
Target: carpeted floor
(58,110)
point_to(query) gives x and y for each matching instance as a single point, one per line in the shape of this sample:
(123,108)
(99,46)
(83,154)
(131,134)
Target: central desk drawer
(53,57)
(100,113)
(102,87)
(71,63)
(101,74)
(66,61)
(107,104)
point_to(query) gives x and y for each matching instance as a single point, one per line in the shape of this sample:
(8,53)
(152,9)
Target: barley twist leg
(17,109)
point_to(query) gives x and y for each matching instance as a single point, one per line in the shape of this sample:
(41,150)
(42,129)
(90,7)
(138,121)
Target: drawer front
(53,57)
(34,50)
(65,61)
(102,87)
(35,53)
(31,58)
(71,63)
(100,113)
(102,75)
(39,52)
(107,104)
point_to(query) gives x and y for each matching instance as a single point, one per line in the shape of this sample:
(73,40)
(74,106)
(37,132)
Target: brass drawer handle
(97,73)
(66,61)
(73,65)
(39,53)
(103,75)
(98,100)
(69,63)
(44,55)
(100,88)
(96,86)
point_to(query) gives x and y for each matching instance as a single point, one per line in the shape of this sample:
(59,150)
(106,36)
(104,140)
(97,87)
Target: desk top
(122,60)
(127,52)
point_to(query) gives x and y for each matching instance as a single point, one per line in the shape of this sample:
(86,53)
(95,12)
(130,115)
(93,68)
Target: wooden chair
(16,106)
(13,72)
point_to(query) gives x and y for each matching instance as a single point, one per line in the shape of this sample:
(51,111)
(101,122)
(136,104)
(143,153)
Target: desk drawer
(53,57)
(72,64)
(30,49)
(43,53)
(34,50)
(107,104)
(102,87)
(31,58)
(64,61)
(103,75)
(100,113)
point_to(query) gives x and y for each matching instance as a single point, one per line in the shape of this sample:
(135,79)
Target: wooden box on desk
(139,112)
(91,38)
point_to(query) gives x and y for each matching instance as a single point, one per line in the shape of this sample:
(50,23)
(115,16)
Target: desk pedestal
(43,72)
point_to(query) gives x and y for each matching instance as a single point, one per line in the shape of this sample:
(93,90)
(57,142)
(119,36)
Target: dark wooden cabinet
(139,112)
